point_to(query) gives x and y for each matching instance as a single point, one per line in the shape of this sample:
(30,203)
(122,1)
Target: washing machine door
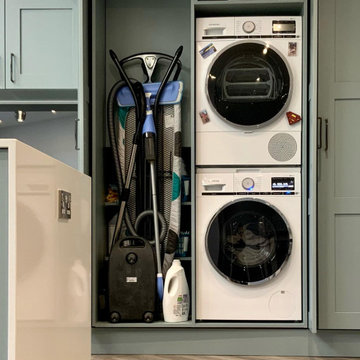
(249,84)
(248,241)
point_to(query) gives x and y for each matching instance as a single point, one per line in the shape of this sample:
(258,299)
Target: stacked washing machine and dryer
(248,169)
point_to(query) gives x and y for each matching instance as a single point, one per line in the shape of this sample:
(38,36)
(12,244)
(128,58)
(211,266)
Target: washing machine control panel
(249,182)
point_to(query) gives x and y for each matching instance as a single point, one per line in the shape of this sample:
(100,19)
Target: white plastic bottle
(176,300)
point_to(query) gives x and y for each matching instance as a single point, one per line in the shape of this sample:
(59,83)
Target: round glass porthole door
(248,241)
(249,84)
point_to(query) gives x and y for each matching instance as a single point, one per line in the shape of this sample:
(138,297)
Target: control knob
(248,183)
(248,27)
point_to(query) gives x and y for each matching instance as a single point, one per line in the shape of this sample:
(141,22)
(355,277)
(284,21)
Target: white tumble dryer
(248,90)
(248,244)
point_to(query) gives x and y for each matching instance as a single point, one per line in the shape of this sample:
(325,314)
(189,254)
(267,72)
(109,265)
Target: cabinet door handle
(77,134)
(12,60)
(319,145)
(326,134)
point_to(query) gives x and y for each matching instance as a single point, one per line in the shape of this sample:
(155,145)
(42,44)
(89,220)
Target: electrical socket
(64,205)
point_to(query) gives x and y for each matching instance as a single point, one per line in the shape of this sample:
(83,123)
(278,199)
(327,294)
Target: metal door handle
(77,134)
(12,59)
(319,145)
(326,134)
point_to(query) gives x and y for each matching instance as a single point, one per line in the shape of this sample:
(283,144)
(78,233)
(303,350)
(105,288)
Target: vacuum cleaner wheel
(148,317)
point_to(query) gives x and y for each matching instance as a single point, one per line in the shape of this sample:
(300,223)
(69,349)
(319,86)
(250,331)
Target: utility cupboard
(108,33)
(307,337)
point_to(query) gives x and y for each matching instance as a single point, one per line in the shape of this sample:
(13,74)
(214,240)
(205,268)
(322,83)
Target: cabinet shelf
(186,203)
(38,97)
(155,324)
(110,204)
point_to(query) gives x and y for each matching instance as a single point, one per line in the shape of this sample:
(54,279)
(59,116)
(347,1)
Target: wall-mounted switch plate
(64,205)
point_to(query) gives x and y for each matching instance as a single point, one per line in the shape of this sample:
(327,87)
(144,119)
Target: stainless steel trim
(319,145)
(12,60)
(77,134)
(326,135)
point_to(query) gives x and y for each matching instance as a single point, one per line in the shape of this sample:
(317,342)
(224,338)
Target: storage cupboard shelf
(248,7)
(155,324)
(33,97)
(196,324)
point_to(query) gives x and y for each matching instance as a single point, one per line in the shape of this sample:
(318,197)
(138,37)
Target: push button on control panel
(248,27)
(248,183)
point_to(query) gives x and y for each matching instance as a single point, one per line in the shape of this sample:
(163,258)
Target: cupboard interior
(136,27)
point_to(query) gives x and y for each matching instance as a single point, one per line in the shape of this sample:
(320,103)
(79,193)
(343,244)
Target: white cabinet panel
(47,296)
(42,44)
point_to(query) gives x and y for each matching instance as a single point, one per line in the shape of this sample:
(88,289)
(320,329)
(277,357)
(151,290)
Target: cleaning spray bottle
(176,301)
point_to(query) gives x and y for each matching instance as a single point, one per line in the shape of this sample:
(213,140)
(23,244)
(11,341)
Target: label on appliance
(204,116)
(292,49)
(293,118)
(131,279)
(208,50)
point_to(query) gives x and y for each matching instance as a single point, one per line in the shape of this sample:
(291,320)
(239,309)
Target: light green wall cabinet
(43,67)
(41,44)
(2,44)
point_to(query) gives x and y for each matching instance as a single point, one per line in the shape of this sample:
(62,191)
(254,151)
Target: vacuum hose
(111,121)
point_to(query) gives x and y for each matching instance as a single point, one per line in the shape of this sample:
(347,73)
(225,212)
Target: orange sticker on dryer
(292,117)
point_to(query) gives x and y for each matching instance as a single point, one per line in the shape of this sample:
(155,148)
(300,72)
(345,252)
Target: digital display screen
(282,27)
(283,183)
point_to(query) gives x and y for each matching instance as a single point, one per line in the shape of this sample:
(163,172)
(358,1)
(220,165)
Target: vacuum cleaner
(134,269)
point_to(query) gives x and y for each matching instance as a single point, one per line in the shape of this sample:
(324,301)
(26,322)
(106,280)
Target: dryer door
(248,241)
(249,84)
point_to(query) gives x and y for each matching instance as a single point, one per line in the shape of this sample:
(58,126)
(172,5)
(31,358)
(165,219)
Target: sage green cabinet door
(42,44)
(339,165)
(2,44)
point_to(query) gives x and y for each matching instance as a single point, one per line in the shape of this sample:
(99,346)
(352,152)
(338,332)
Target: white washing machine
(248,90)
(248,244)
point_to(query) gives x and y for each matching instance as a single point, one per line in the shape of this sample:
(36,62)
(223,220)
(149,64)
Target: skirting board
(282,342)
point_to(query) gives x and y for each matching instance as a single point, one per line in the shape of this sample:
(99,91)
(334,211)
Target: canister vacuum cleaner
(135,263)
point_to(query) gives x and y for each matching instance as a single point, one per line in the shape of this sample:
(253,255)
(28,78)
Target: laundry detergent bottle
(176,300)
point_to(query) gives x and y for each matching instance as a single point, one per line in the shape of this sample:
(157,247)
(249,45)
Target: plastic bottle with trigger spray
(176,301)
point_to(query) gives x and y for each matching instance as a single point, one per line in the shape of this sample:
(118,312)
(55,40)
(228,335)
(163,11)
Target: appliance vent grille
(282,147)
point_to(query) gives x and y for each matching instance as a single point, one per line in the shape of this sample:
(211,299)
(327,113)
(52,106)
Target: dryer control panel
(248,26)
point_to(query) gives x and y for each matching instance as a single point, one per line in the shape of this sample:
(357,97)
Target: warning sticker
(208,50)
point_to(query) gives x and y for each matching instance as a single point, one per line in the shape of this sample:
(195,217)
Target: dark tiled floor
(206,357)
